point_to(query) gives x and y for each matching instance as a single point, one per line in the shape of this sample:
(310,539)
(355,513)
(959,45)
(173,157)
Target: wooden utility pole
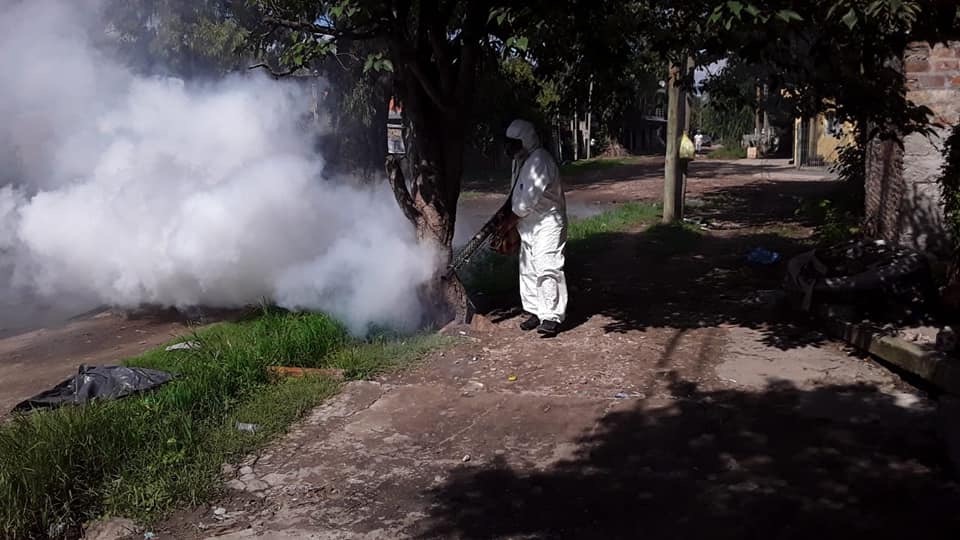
(589,132)
(687,97)
(673,177)
(575,129)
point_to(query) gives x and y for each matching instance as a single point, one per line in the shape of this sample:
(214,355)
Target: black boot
(549,328)
(530,323)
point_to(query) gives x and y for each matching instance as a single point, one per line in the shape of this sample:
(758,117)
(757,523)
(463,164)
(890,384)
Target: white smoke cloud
(137,190)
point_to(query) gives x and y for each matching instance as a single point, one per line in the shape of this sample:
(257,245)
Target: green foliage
(726,125)
(732,151)
(835,219)
(507,89)
(301,54)
(950,185)
(219,42)
(493,274)
(890,15)
(359,105)
(575,168)
(731,12)
(835,54)
(183,37)
(143,455)
(851,167)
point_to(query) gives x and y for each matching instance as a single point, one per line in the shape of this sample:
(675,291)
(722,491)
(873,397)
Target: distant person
(540,216)
(698,142)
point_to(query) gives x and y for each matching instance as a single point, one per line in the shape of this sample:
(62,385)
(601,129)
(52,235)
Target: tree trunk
(435,81)
(687,101)
(429,198)
(588,136)
(575,129)
(444,299)
(673,178)
(757,119)
(559,140)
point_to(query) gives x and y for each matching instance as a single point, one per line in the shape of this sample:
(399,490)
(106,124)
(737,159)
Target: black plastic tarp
(97,382)
(856,267)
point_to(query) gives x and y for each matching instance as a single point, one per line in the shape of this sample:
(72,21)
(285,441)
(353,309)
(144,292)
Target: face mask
(513,148)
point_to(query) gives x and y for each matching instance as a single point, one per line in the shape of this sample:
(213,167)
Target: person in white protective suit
(540,216)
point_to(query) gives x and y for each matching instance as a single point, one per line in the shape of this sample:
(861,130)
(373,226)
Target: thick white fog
(127,189)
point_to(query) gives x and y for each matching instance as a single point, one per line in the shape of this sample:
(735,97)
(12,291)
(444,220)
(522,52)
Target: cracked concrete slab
(750,363)
(384,446)
(370,463)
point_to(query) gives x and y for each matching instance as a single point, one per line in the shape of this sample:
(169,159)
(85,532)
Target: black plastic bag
(97,382)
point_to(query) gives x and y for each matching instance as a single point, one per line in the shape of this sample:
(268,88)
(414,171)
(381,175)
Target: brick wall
(902,196)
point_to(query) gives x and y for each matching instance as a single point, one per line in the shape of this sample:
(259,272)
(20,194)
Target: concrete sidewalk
(591,441)
(677,404)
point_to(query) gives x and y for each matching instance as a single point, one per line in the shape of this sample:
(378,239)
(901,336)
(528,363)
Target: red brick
(917,66)
(946,64)
(919,82)
(955,82)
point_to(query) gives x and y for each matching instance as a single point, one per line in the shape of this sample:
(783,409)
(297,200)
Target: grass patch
(470,195)
(728,152)
(582,166)
(492,274)
(142,456)
(618,219)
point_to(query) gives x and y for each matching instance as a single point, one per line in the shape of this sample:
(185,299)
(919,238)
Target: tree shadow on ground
(684,281)
(768,203)
(682,278)
(835,462)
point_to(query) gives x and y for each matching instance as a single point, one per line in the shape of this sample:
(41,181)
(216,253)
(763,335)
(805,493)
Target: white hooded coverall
(539,202)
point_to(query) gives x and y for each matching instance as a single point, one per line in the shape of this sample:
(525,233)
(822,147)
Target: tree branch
(400,192)
(473,24)
(405,54)
(322,29)
(437,36)
(276,74)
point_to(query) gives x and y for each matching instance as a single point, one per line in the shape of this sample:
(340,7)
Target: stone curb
(932,366)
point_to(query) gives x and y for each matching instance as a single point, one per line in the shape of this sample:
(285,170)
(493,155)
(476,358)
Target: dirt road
(35,360)
(679,403)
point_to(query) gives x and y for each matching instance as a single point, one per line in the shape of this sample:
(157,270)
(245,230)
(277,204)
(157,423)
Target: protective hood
(526,133)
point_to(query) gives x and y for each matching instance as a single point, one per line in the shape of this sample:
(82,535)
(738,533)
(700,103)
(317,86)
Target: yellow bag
(687,149)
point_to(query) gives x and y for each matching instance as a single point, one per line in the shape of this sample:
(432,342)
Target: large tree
(184,38)
(433,48)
